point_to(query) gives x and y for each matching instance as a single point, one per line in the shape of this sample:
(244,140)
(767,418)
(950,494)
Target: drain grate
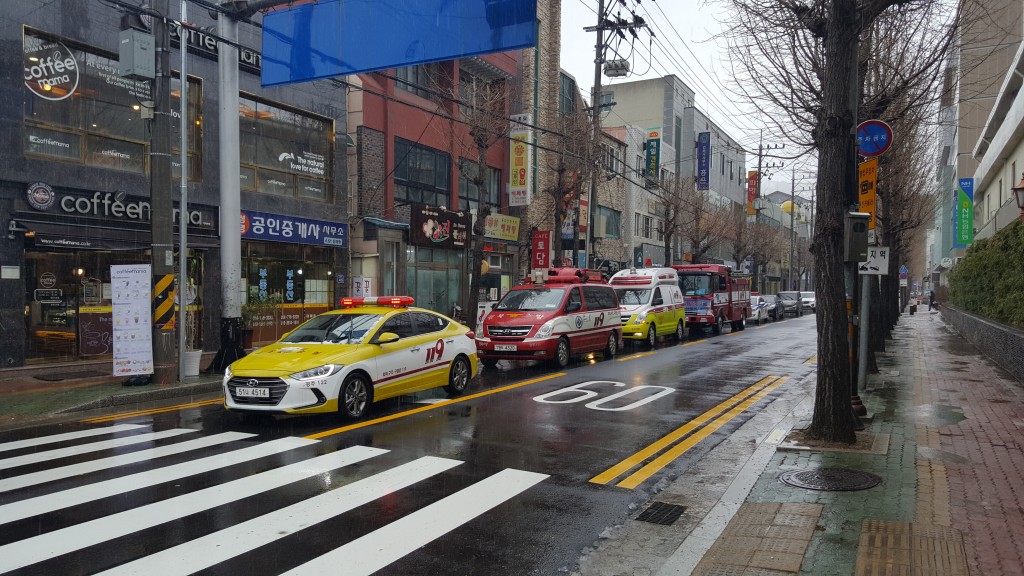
(662,513)
(831,479)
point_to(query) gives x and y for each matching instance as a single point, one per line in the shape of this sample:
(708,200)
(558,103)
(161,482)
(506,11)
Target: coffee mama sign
(110,205)
(51,71)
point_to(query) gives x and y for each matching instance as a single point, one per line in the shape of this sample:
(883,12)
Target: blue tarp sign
(339,37)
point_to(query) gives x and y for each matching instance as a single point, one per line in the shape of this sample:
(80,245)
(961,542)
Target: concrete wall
(1002,344)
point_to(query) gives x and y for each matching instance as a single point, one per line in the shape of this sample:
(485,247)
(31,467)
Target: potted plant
(253,311)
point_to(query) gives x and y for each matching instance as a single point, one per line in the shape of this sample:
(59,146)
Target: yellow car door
(399,362)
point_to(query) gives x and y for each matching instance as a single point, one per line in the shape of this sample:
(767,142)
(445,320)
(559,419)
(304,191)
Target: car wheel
(613,346)
(562,353)
(458,376)
(680,332)
(355,396)
(652,336)
(489,362)
(716,328)
(742,324)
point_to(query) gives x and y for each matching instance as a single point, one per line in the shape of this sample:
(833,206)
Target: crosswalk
(34,495)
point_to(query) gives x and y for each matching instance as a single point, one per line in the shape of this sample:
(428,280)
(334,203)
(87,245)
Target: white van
(651,304)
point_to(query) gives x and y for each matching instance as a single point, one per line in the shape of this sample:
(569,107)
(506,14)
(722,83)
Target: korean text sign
(963,213)
(704,161)
(279,228)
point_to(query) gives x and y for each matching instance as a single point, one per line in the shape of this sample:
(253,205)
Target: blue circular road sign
(873,138)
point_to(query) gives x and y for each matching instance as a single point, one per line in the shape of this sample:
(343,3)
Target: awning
(56,235)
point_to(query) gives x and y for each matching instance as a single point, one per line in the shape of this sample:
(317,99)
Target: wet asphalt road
(516,478)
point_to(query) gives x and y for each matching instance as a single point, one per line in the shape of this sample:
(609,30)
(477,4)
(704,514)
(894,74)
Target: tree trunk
(833,419)
(476,266)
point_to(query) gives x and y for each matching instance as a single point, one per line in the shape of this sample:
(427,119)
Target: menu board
(133,328)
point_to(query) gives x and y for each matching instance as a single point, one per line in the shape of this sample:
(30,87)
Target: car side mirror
(387,338)
(573,307)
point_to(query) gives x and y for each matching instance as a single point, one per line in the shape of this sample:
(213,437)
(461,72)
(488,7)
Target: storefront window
(285,152)
(422,175)
(298,277)
(80,110)
(469,193)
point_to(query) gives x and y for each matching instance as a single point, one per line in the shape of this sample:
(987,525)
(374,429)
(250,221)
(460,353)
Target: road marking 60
(580,394)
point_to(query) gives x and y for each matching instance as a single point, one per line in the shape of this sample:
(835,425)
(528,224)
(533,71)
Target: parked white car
(807,298)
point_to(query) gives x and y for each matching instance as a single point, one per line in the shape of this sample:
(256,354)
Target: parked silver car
(791,303)
(807,299)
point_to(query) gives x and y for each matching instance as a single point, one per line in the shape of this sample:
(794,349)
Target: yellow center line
(343,429)
(635,356)
(678,450)
(123,415)
(812,360)
(667,440)
(732,334)
(693,343)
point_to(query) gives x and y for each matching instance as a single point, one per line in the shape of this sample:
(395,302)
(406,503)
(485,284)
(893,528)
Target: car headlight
(228,373)
(318,372)
(546,329)
(640,318)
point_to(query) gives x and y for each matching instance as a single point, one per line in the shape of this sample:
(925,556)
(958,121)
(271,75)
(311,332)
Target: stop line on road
(361,556)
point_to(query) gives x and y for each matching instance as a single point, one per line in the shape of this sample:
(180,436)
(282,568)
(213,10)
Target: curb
(146,396)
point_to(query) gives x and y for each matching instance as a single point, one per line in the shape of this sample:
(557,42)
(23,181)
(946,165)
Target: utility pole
(613,26)
(165,367)
(792,229)
(761,149)
(183,206)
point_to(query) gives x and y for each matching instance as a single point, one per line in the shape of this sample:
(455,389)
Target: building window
(469,193)
(566,95)
(639,166)
(284,152)
(607,223)
(422,175)
(416,79)
(611,158)
(637,224)
(97,118)
(648,227)
(661,231)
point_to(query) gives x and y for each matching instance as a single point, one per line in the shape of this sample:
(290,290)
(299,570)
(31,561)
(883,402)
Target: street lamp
(1018,191)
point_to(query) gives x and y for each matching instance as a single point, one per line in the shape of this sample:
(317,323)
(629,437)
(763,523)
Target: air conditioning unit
(494,261)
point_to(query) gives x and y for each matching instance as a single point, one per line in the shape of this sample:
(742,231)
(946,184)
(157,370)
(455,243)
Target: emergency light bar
(396,301)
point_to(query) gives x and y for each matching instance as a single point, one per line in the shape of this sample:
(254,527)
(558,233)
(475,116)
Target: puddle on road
(937,415)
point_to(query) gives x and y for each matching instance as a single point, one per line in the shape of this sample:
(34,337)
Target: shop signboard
(362,286)
(541,256)
(501,227)
(132,316)
(433,227)
(652,160)
(520,161)
(752,191)
(704,161)
(963,213)
(281,228)
(868,177)
(48,295)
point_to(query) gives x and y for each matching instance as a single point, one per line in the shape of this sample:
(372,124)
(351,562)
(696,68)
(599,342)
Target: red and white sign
(541,256)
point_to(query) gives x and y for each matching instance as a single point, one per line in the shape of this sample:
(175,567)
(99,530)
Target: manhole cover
(661,513)
(831,479)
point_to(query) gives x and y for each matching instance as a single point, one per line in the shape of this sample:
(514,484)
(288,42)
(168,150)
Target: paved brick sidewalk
(951,498)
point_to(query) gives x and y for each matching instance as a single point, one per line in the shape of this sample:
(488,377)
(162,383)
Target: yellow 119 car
(345,359)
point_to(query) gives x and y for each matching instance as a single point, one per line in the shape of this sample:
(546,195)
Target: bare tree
(477,119)
(573,166)
(673,198)
(800,62)
(703,222)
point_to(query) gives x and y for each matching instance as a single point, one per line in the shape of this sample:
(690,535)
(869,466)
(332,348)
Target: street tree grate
(831,479)
(662,513)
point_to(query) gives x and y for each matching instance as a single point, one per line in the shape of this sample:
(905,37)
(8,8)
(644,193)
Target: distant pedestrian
(932,303)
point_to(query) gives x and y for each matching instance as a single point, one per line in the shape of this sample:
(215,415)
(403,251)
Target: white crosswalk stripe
(37,457)
(73,470)
(50,502)
(364,555)
(30,442)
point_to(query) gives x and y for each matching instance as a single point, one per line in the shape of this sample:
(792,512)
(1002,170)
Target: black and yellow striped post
(163,302)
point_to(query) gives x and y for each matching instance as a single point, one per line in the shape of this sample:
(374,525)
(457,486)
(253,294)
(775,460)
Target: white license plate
(252,392)
(505,348)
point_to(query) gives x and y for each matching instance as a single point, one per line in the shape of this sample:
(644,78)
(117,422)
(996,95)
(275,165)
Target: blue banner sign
(704,161)
(278,228)
(339,37)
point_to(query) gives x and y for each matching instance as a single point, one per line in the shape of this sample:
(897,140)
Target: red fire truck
(713,295)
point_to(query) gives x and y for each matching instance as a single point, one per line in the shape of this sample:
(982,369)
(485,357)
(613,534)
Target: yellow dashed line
(635,356)
(343,429)
(123,415)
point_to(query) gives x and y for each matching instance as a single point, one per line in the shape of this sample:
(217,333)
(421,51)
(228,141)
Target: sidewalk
(945,438)
(27,397)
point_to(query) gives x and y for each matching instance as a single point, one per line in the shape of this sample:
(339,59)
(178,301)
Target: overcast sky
(684,45)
